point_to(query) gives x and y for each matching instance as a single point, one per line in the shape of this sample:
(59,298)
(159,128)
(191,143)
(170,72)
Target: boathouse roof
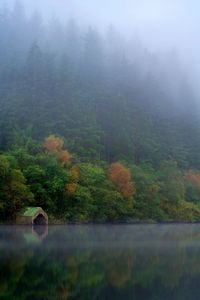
(32,215)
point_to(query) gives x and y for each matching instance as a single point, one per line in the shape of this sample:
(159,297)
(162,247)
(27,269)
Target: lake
(100,262)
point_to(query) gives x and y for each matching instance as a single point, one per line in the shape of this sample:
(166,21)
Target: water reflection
(40,231)
(100,262)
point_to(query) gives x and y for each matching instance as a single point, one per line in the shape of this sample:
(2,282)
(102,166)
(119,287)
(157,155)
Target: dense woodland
(93,126)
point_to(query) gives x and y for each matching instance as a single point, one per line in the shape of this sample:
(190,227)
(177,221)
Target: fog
(161,25)
(111,81)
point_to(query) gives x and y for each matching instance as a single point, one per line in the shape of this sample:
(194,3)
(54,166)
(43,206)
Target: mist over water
(100,262)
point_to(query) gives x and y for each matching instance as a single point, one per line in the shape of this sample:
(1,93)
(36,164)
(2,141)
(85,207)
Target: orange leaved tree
(121,177)
(74,179)
(71,188)
(53,144)
(64,156)
(193,177)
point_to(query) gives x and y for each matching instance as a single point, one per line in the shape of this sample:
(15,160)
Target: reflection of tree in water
(120,269)
(55,270)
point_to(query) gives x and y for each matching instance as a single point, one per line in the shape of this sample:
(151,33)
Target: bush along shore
(75,191)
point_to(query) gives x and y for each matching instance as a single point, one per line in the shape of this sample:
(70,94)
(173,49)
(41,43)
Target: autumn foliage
(64,156)
(74,174)
(121,177)
(193,178)
(71,188)
(74,179)
(53,144)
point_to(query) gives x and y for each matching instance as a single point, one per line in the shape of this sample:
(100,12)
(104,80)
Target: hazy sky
(162,24)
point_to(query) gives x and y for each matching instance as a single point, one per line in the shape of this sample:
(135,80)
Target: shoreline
(142,222)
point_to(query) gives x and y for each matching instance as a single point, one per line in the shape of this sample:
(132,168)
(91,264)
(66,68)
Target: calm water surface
(100,262)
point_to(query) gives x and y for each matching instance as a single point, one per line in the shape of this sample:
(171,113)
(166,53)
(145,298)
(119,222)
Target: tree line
(93,125)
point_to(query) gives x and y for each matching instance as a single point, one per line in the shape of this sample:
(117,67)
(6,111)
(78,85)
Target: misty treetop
(93,126)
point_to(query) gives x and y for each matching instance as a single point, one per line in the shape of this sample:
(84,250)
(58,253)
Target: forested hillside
(93,126)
